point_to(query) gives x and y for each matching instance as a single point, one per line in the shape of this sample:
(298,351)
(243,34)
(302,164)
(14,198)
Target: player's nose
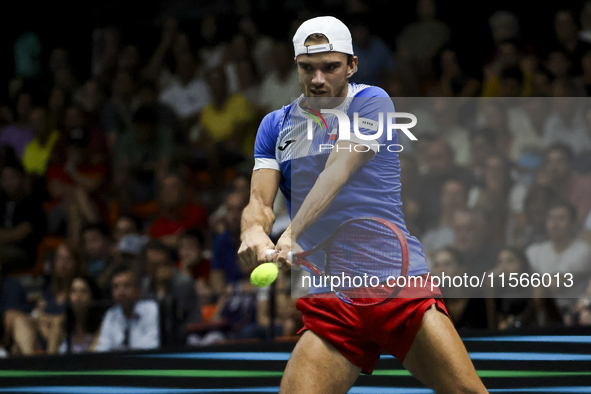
(318,78)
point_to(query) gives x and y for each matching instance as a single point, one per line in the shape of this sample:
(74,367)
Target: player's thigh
(315,366)
(439,359)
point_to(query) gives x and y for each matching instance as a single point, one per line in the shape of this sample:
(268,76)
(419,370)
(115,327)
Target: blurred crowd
(121,195)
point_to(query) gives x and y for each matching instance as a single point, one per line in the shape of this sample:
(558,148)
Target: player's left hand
(285,245)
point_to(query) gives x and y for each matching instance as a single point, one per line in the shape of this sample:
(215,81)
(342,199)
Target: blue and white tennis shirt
(373,190)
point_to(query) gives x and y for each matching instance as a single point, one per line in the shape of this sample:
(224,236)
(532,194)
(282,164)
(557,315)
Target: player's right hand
(253,250)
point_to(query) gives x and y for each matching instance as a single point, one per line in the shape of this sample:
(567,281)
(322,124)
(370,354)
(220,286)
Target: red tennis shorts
(361,333)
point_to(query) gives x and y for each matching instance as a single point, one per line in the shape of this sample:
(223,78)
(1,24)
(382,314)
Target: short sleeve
(369,104)
(266,139)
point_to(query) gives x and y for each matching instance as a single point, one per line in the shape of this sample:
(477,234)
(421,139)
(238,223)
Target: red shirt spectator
(176,213)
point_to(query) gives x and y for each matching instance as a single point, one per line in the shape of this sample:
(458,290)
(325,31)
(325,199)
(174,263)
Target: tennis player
(323,188)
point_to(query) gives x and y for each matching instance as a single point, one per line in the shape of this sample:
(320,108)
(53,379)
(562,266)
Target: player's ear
(351,68)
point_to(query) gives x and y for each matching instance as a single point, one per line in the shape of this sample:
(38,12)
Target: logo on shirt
(344,131)
(282,148)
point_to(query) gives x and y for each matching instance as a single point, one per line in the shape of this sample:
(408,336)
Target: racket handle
(272,252)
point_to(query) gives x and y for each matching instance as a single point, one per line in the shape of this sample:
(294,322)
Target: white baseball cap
(337,33)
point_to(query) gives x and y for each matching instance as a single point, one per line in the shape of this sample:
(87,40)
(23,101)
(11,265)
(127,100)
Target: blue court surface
(535,362)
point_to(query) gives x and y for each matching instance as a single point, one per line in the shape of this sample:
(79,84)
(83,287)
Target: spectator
(143,156)
(508,57)
(97,249)
(174,290)
(83,316)
(18,134)
(74,181)
(13,306)
(465,312)
(226,122)
(492,198)
(567,39)
(482,144)
(520,307)
(445,114)
(125,225)
(454,81)
(281,85)
(423,39)
(453,198)
(117,113)
(525,122)
(192,263)
(224,262)
(471,241)
(566,123)
(130,323)
(37,152)
(562,253)
(147,94)
(558,170)
(22,219)
(528,223)
(441,167)
(176,212)
(377,56)
(42,328)
(188,94)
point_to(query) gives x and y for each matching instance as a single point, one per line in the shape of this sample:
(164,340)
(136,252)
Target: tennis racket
(362,246)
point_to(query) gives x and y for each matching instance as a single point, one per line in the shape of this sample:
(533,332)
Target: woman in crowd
(41,330)
(519,306)
(84,314)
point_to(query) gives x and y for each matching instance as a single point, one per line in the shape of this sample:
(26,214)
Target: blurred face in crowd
(468,232)
(123,86)
(216,79)
(38,121)
(73,118)
(126,290)
(235,204)
(445,262)
(536,209)
(559,224)
(92,96)
(408,171)
(189,250)
(324,74)
(123,227)
(508,55)
(439,157)
(24,103)
(426,9)
(510,87)
(130,58)
(508,262)
(480,148)
(171,192)
(453,196)
(281,58)
(58,59)
(558,166)
(95,243)
(80,295)
(558,64)
(495,173)
(12,182)
(565,26)
(186,67)
(64,263)
(156,258)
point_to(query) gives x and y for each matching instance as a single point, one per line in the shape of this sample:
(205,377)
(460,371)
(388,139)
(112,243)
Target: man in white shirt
(562,253)
(130,323)
(187,95)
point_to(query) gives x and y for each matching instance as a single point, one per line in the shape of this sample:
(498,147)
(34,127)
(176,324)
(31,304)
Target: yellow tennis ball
(264,274)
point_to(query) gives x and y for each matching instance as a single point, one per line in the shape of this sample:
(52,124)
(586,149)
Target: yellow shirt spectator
(221,123)
(36,156)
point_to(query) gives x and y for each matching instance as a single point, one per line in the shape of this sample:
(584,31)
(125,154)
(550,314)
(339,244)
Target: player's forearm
(257,216)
